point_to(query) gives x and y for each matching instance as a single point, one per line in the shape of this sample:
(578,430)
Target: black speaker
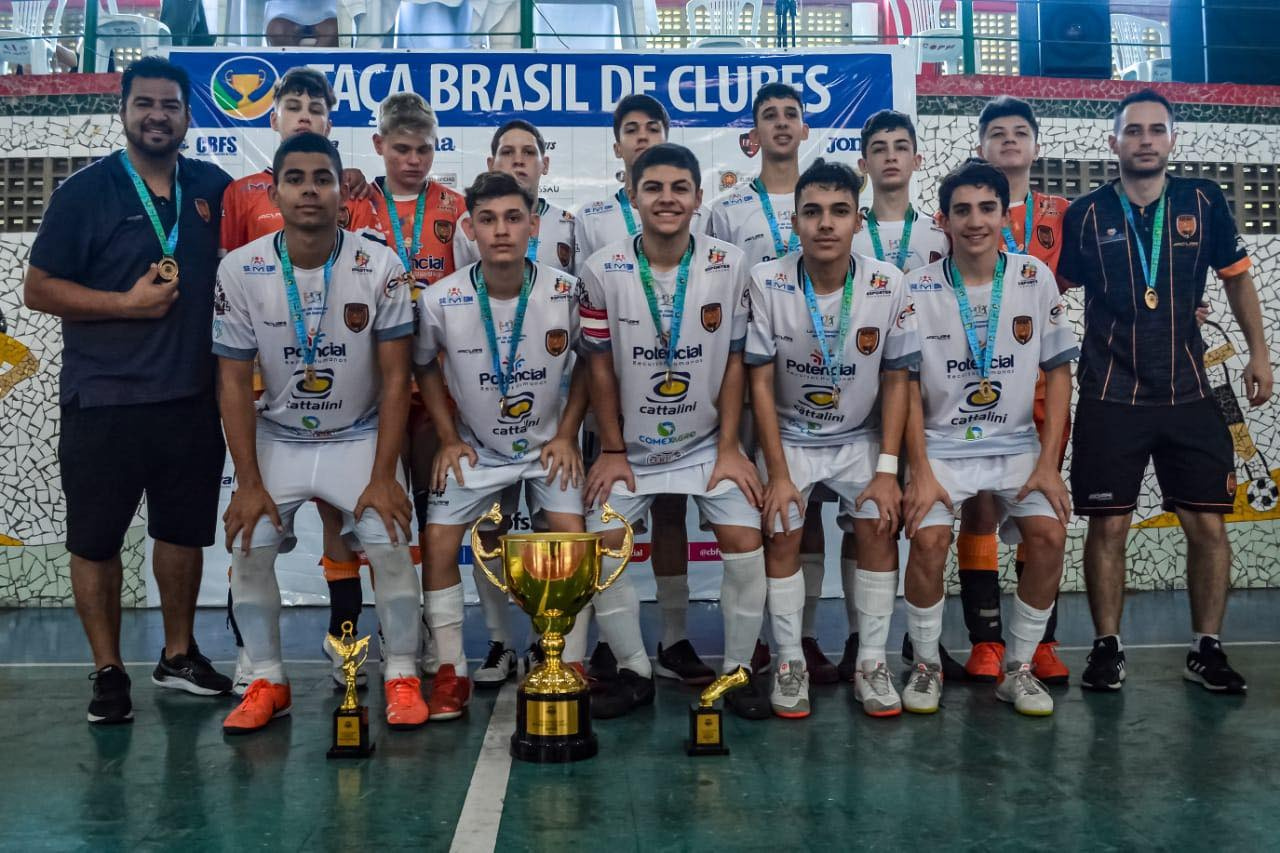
(1075,38)
(1225,41)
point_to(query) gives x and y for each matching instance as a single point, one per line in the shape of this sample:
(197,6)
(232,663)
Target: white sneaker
(336,659)
(873,687)
(498,666)
(790,697)
(428,660)
(1027,693)
(923,691)
(244,673)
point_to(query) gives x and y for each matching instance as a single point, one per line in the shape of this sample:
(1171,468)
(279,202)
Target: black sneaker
(1104,668)
(681,662)
(821,669)
(498,666)
(191,672)
(621,695)
(952,669)
(751,701)
(602,666)
(111,703)
(1208,667)
(848,665)
(533,656)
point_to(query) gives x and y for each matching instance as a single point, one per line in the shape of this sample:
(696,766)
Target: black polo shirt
(1130,353)
(96,233)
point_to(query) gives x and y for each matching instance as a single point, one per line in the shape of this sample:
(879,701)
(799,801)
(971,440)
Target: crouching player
(987,322)
(829,332)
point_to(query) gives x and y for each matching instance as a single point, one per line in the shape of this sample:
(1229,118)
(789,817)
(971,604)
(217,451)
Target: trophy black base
(351,734)
(706,732)
(553,728)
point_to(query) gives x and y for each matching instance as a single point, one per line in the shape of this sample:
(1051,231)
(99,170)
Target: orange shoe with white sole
(406,709)
(985,663)
(262,703)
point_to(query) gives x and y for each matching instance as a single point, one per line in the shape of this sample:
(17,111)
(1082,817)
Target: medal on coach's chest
(984,355)
(308,340)
(1152,300)
(1150,268)
(167,269)
(167,266)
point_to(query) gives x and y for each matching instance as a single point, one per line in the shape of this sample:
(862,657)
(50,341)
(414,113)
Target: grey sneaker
(923,691)
(873,687)
(790,697)
(498,666)
(1026,692)
(244,673)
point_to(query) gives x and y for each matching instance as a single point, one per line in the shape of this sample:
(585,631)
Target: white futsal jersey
(1034,334)
(368,303)
(672,423)
(928,243)
(602,223)
(881,336)
(555,239)
(516,429)
(738,217)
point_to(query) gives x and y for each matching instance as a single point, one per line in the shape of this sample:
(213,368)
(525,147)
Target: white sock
(673,601)
(813,567)
(575,642)
(874,594)
(256,602)
(1026,630)
(397,601)
(742,594)
(618,614)
(444,616)
(924,624)
(493,602)
(786,601)
(1195,640)
(848,581)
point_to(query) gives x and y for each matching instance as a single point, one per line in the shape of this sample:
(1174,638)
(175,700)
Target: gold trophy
(244,85)
(351,719)
(706,734)
(552,576)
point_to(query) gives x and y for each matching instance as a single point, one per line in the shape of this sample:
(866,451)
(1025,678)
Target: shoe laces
(879,681)
(494,658)
(1024,681)
(791,679)
(254,692)
(398,687)
(923,677)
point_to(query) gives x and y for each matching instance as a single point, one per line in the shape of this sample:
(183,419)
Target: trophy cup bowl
(245,85)
(552,576)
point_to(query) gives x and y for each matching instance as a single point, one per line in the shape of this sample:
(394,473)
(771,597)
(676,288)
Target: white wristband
(888,464)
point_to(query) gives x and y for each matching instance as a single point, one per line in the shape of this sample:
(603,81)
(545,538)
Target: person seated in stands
(308,23)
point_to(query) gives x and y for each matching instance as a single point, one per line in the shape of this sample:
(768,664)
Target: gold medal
(986,394)
(309,376)
(502,405)
(1152,298)
(167,269)
(835,397)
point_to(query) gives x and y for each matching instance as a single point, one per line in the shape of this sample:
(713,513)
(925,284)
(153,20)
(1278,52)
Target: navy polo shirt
(96,233)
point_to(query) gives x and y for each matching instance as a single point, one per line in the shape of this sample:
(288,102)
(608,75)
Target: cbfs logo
(217,145)
(242,87)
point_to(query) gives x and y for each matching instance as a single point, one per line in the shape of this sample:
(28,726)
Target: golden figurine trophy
(351,719)
(706,734)
(552,576)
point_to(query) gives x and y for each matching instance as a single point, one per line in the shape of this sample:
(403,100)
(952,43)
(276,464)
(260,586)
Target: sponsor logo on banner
(356,316)
(1022,328)
(749,146)
(711,316)
(557,341)
(242,87)
(868,339)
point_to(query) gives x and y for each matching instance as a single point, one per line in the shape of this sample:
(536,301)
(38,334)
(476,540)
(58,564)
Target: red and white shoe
(450,694)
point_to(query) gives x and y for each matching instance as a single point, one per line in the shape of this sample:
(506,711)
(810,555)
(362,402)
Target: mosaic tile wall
(34,573)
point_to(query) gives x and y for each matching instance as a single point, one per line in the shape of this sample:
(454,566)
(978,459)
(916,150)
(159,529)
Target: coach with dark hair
(126,255)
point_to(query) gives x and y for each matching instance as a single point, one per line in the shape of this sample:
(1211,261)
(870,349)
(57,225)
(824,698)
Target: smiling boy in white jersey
(664,321)
(830,334)
(988,321)
(333,412)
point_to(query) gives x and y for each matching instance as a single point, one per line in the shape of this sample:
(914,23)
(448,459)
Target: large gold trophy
(351,719)
(552,576)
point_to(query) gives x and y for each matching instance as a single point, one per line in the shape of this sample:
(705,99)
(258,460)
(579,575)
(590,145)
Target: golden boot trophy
(351,719)
(552,576)
(706,730)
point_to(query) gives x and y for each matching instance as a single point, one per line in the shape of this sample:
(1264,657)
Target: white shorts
(725,504)
(336,472)
(1003,476)
(500,483)
(845,470)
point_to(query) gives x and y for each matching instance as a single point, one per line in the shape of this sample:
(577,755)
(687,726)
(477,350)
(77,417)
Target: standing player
(504,327)
(335,401)
(830,335)
(988,320)
(640,122)
(664,321)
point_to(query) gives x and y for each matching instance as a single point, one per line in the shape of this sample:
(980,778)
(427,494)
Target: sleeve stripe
(1236,268)
(755,359)
(231,352)
(404,330)
(1064,357)
(908,360)
(593,313)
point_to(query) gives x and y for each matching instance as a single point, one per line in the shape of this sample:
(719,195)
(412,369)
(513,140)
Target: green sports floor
(1163,765)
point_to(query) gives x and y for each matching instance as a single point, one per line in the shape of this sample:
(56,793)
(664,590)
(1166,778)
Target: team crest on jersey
(356,316)
(1044,236)
(344,217)
(202,208)
(443,229)
(715,255)
(557,341)
(1029,271)
(1023,328)
(868,339)
(712,316)
(879,281)
(1186,225)
(749,146)
(564,253)
(728,180)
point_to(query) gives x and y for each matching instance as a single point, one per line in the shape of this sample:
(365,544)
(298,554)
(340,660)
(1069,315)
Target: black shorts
(111,456)
(1189,443)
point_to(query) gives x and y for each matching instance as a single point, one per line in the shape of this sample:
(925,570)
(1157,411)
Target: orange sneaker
(406,708)
(985,663)
(450,694)
(262,703)
(1047,666)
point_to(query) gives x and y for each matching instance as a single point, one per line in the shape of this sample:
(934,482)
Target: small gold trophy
(351,719)
(552,576)
(706,734)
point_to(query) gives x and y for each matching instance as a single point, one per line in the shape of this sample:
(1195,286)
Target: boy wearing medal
(501,329)
(830,334)
(333,412)
(987,320)
(664,322)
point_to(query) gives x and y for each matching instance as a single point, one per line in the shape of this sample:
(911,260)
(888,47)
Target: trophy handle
(477,549)
(624,553)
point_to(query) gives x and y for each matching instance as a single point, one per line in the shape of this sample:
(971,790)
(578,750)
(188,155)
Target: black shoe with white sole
(1104,668)
(111,703)
(192,672)
(1208,667)
(499,665)
(681,662)
(621,694)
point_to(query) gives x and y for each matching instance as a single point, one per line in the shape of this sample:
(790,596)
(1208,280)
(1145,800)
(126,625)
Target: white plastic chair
(724,22)
(17,45)
(118,31)
(1132,52)
(921,23)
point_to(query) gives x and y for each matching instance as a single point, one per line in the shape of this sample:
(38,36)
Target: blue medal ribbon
(308,341)
(169,242)
(1152,266)
(668,340)
(504,373)
(531,254)
(904,245)
(780,249)
(397,237)
(832,364)
(624,202)
(982,355)
(1009,242)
